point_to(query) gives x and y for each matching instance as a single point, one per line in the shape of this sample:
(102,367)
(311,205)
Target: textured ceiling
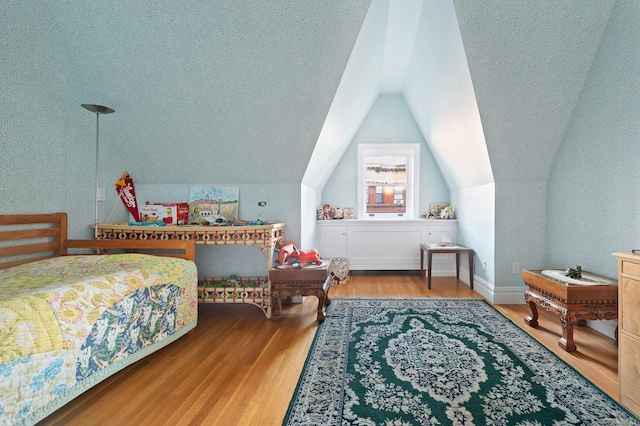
(218,85)
(222,85)
(529,62)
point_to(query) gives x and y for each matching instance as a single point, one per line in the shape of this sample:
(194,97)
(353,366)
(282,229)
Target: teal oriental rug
(398,362)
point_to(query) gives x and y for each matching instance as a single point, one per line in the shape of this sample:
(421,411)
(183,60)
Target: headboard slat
(28,249)
(29,233)
(23,219)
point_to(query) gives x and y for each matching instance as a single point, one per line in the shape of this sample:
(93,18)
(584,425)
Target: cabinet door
(333,241)
(439,233)
(387,247)
(629,294)
(629,375)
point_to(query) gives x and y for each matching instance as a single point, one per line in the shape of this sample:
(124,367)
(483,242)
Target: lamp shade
(98,109)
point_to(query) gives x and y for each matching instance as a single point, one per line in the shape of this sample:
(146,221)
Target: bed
(74,312)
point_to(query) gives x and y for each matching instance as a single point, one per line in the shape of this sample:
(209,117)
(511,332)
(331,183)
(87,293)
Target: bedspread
(64,319)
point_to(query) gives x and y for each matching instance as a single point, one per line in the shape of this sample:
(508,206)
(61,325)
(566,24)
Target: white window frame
(409,150)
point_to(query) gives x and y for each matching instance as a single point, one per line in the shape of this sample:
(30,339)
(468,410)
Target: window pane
(386,178)
(388,181)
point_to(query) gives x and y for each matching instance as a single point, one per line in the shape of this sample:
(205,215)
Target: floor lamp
(98,109)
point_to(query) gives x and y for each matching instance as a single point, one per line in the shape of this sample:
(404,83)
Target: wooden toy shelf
(262,237)
(252,290)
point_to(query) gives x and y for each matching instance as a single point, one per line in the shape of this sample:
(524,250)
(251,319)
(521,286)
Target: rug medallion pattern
(438,362)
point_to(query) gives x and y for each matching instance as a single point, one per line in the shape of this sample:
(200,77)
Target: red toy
(290,254)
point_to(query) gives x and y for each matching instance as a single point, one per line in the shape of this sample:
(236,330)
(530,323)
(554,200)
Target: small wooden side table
(314,281)
(573,303)
(435,248)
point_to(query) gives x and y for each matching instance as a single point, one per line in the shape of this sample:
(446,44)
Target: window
(388,178)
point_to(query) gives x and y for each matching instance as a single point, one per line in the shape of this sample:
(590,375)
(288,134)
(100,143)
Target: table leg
(429,262)
(421,262)
(321,303)
(471,269)
(277,306)
(457,265)
(533,319)
(566,341)
(326,286)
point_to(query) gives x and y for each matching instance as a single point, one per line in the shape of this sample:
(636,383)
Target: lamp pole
(98,109)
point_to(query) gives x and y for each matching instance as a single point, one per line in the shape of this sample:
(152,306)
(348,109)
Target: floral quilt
(65,319)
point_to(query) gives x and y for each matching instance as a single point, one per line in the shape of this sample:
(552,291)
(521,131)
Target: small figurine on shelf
(439,211)
(348,212)
(232,281)
(325,212)
(447,213)
(574,273)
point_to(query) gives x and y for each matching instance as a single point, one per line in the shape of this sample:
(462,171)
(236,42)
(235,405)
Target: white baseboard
(495,295)
(500,295)
(606,327)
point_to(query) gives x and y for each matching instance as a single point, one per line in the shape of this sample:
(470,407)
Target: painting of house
(210,205)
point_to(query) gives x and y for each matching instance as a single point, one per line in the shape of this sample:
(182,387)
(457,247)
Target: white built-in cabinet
(333,239)
(386,244)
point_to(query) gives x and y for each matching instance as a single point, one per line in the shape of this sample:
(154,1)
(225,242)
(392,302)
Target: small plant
(574,273)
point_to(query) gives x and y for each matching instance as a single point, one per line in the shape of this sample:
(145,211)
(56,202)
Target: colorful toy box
(167,213)
(181,212)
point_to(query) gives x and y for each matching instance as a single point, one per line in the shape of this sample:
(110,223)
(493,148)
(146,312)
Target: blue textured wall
(47,142)
(593,206)
(529,62)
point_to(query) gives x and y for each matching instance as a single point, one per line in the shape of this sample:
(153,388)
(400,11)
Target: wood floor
(238,368)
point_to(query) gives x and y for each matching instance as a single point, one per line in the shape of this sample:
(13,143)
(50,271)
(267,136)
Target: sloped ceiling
(439,91)
(218,86)
(529,61)
(526,61)
(358,90)
(413,48)
(214,91)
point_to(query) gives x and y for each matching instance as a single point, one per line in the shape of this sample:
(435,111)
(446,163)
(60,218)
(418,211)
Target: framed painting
(213,205)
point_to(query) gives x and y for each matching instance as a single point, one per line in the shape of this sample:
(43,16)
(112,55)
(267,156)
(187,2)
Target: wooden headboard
(28,237)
